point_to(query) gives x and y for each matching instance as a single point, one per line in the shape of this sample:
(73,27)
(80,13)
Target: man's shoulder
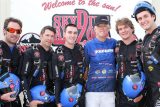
(112,39)
(29,50)
(111,42)
(157,33)
(90,42)
(3,43)
(78,46)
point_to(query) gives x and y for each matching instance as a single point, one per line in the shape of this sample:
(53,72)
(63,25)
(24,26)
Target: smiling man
(11,30)
(70,64)
(145,15)
(127,57)
(39,70)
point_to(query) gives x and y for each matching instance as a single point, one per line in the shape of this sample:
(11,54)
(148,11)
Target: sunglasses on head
(12,30)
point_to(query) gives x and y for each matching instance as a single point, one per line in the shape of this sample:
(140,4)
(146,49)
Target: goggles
(12,30)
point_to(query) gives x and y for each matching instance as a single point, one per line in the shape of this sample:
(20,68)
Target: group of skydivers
(57,78)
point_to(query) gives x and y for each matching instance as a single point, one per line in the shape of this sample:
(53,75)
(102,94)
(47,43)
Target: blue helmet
(10,81)
(39,93)
(69,96)
(143,4)
(132,85)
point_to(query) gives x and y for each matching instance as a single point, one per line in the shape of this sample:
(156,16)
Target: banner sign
(35,14)
(83,20)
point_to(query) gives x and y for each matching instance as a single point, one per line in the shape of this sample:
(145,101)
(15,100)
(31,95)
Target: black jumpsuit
(71,76)
(128,55)
(14,55)
(152,69)
(49,78)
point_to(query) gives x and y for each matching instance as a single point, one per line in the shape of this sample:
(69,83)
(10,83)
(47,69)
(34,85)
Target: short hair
(144,9)
(11,19)
(124,21)
(48,28)
(70,24)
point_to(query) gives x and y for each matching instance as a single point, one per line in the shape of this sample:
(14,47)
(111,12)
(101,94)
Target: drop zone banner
(36,14)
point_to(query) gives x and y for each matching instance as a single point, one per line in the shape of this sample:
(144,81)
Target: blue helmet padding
(129,82)
(13,80)
(143,4)
(73,92)
(36,94)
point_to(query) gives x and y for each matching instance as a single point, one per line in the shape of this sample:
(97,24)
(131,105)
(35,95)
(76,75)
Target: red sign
(83,20)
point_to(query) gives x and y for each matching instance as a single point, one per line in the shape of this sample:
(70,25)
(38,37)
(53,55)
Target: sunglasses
(12,30)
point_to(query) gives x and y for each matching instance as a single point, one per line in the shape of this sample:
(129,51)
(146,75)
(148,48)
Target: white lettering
(104,51)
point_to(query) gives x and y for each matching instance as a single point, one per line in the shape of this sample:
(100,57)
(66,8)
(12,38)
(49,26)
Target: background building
(26,10)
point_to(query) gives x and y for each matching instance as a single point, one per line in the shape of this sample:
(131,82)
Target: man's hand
(59,105)
(34,103)
(7,97)
(22,49)
(137,99)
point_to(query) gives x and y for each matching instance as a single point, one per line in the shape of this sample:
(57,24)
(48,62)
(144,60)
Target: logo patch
(97,71)
(29,39)
(61,58)
(150,68)
(37,54)
(149,62)
(104,71)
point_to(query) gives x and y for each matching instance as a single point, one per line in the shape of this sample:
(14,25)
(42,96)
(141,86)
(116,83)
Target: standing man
(100,58)
(70,64)
(39,70)
(145,15)
(9,62)
(129,63)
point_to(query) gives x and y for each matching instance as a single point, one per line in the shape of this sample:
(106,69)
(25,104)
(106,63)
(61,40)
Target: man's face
(71,35)
(102,30)
(125,31)
(145,19)
(12,33)
(47,38)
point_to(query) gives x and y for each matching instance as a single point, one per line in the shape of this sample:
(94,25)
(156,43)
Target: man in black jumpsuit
(145,15)
(9,51)
(39,68)
(128,60)
(70,61)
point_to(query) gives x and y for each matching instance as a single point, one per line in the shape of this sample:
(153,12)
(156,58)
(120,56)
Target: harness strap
(153,47)
(122,60)
(1,58)
(37,61)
